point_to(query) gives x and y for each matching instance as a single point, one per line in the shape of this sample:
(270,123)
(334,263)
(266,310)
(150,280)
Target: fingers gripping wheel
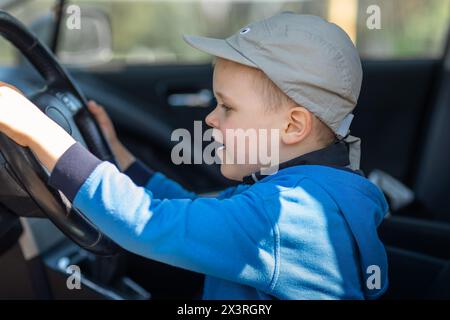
(62,101)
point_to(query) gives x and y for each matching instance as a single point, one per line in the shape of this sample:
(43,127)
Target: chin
(231,172)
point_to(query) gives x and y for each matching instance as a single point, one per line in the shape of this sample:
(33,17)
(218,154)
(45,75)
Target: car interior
(402,118)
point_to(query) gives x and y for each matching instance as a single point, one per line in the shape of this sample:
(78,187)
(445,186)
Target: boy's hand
(104,122)
(124,157)
(28,126)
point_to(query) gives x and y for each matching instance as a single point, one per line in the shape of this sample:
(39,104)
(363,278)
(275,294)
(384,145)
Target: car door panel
(388,116)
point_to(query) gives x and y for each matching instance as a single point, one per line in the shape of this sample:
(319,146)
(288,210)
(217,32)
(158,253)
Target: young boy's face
(241,105)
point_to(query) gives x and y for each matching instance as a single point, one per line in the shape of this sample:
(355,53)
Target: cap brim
(219,48)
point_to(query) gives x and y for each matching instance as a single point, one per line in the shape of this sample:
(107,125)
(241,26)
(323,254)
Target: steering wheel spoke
(62,107)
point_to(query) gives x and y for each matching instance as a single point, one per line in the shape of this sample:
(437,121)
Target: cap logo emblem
(245,30)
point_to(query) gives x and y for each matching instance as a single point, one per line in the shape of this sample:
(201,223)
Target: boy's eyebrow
(222,96)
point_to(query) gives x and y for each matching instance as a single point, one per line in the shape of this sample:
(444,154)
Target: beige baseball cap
(311,60)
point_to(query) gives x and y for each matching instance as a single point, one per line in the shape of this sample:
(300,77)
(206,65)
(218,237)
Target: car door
(152,83)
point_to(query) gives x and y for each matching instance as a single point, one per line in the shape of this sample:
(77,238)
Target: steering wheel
(64,103)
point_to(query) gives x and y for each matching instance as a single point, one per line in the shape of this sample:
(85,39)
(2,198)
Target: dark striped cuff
(139,173)
(72,169)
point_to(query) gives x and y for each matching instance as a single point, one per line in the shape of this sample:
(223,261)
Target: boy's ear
(298,125)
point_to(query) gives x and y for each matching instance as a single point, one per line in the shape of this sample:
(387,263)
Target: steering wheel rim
(67,105)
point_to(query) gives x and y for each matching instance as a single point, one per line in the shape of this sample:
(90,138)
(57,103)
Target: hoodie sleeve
(232,239)
(157,183)
(139,172)
(163,187)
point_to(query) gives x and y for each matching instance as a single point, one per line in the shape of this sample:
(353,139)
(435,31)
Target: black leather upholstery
(419,249)
(432,186)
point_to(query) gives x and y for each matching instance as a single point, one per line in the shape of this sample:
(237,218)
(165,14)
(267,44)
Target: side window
(150,32)
(408,28)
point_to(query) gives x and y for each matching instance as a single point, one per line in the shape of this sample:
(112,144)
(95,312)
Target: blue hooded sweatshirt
(305,232)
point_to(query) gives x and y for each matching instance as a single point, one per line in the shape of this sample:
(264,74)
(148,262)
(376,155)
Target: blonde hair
(277,99)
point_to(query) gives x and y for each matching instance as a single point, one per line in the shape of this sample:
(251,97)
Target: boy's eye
(225,107)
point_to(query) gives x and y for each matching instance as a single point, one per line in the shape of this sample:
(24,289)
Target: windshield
(150,31)
(32,13)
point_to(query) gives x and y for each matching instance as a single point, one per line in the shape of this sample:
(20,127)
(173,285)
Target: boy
(307,231)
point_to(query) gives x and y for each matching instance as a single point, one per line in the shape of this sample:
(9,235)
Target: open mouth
(220,146)
(220,150)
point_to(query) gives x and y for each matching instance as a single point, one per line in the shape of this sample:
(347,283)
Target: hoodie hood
(364,207)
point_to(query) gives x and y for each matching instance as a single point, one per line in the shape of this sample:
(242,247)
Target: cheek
(259,123)
(226,126)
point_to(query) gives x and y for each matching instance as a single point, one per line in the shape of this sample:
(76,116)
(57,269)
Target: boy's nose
(212,120)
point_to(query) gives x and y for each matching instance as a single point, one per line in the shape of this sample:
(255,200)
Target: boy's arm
(231,239)
(161,186)
(142,175)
